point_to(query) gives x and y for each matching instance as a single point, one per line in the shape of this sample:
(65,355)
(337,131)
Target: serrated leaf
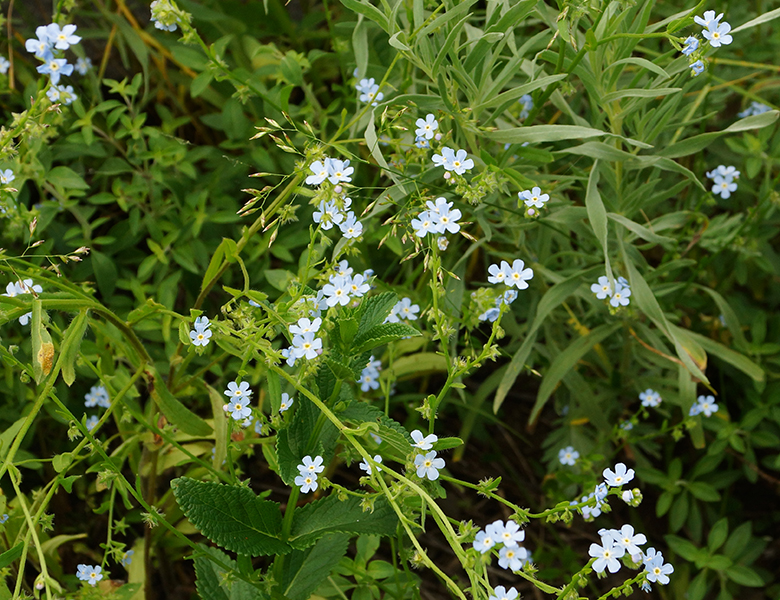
(305,570)
(339,369)
(213,582)
(393,434)
(374,310)
(71,344)
(331,515)
(232,517)
(382,334)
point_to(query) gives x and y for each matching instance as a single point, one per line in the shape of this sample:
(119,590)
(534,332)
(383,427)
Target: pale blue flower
(351,228)
(7,176)
(3,519)
(510,535)
(697,68)
(620,297)
(83,65)
(62,38)
(657,571)
(287,402)
(534,197)
(305,325)
(484,541)
(512,557)
(426,127)
(755,108)
(320,171)
(620,476)
(602,289)
(424,224)
(606,555)
(691,45)
(528,103)
(453,161)
(239,408)
(97,396)
(723,187)
(568,456)
(127,558)
(364,466)
(89,574)
(704,404)
(501,593)
(55,68)
(490,315)
(200,337)
(238,390)
(307,483)
(339,170)
(92,422)
(518,275)
(5,64)
(424,442)
(311,465)
(628,540)
(718,34)
(428,465)
(306,346)
(337,291)
(40,46)
(650,398)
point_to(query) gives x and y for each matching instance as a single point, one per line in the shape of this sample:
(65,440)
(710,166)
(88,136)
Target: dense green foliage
(175,188)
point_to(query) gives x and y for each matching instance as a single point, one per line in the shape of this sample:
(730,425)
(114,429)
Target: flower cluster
(369,91)
(603,290)
(453,161)
(440,218)
(617,543)
(97,396)
(369,376)
(201,334)
(597,498)
(403,309)
(48,41)
(568,455)
(334,170)
(534,200)
(491,314)
(17,288)
(650,398)
(723,180)
(165,15)
(239,394)
(305,343)
(515,274)
(715,32)
(89,574)
(309,469)
(704,405)
(511,555)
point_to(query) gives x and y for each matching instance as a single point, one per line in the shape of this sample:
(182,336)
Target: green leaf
(200,83)
(763,18)
(9,556)
(698,587)
(553,298)
(718,534)
(305,570)
(663,504)
(392,432)
(382,334)
(214,583)
(520,90)
(566,361)
(683,547)
(232,517)
(738,540)
(724,353)
(274,391)
(420,363)
(367,10)
(105,272)
(597,214)
(66,178)
(640,230)
(340,370)
(679,512)
(638,93)
(331,515)
(176,413)
(71,344)
(744,576)
(374,310)
(697,143)
(543,133)
(703,491)
(641,62)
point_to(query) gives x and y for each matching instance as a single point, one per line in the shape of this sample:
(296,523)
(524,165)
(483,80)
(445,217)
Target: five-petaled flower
(426,127)
(534,197)
(621,475)
(568,456)
(365,466)
(606,555)
(650,398)
(287,402)
(311,465)
(501,593)
(428,465)
(238,390)
(89,574)
(424,443)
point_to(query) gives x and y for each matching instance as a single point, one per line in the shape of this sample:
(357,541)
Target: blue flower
(491,315)
(424,443)
(755,108)
(426,127)
(501,593)
(164,16)
(62,38)
(83,65)
(7,176)
(238,390)
(619,476)
(89,574)
(602,289)
(127,558)
(657,571)
(528,103)
(287,402)
(704,404)
(3,519)
(691,45)
(428,465)
(723,186)
(627,539)
(364,466)
(484,541)
(97,396)
(92,422)
(650,398)
(41,46)
(510,534)
(311,466)
(239,408)
(307,483)
(606,555)
(55,68)
(620,297)
(568,455)
(5,64)
(718,34)
(512,557)
(697,68)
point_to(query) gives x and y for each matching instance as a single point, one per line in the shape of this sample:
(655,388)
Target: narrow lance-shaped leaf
(71,344)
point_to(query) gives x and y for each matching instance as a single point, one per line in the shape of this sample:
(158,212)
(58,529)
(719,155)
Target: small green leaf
(66,179)
(9,556)
(232,517)
(683,547)
(718,534)
(71,344)
(703,491)
(744,576)
(274,391)
(211,578)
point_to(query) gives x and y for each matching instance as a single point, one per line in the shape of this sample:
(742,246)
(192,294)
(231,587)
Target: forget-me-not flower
(568,456)
(426,127)
(606,555)
(89,574)
(620,476)
(428,465)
